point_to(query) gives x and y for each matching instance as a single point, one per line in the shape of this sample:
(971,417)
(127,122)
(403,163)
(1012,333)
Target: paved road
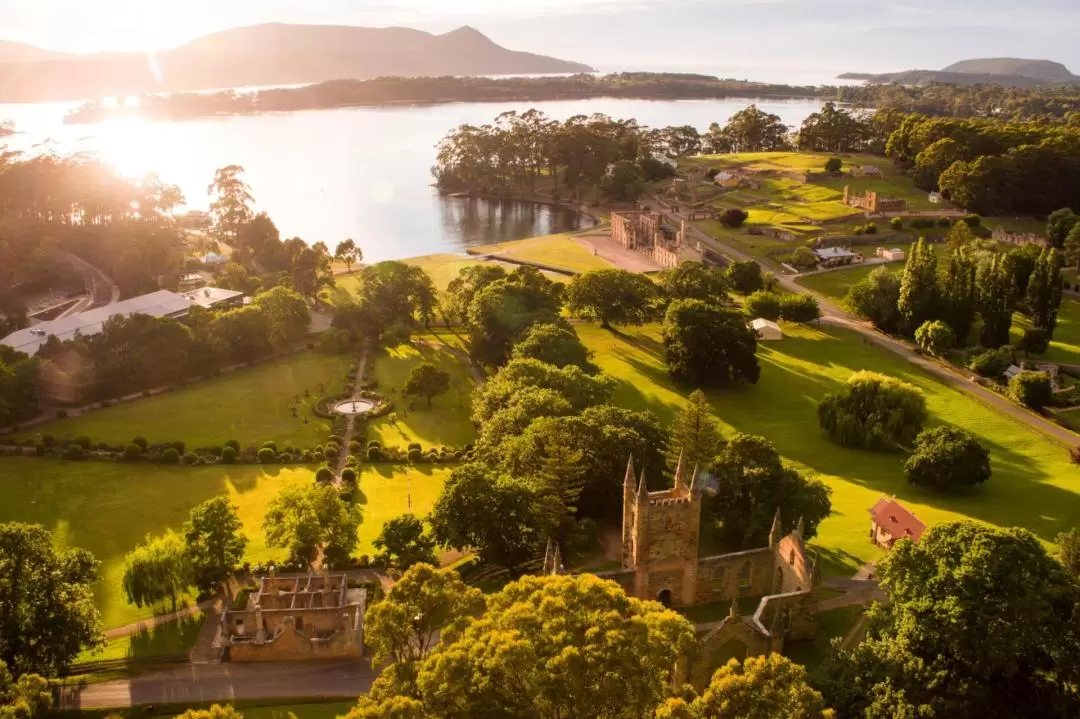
(833,315)
(226,682)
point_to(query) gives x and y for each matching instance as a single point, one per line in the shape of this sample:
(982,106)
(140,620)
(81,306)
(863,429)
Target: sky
(755,39)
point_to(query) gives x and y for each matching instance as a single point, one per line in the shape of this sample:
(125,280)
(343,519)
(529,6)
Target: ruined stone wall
(797,615)
(292,645)
(624,579)
(734,629)
(670,579)
(793,568)
(727,576)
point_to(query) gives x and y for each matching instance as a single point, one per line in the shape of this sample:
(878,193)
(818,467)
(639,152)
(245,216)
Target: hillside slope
(272,54)
(1004,71)
(1034,69)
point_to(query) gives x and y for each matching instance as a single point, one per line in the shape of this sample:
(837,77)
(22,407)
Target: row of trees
(941,304)
(20,386)
(1053,104)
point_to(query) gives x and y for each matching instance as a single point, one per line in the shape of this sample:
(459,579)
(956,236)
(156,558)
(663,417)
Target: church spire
(800,528)
(629,481)
(680,472)
(733,612)
(643,489)
(774,533)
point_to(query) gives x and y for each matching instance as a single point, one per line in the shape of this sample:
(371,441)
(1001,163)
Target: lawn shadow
(835,562)
(383,469)
(174,637)
(640,340)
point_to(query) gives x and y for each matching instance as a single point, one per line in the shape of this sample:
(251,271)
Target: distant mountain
(272,54)
(1005,71)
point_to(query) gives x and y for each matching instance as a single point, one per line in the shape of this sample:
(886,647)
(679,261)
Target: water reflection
(481,222)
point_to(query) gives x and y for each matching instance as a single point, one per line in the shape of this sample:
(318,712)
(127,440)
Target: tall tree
(708,345)
(694,281)
(612,297)
(47,611)
(833,129)
(347,252)
(427,381)
(1059,224)
(752,485)
(403,543)
(232,201)
(752,130)
(1044,291)
(555,344)
(695,436)
(1069,550)
(1071,248)
(766,687)
(311,519)
(287,316)
(947,640)
(215,545)
(875,298)
(918,300)
(156,570)
(997,300)
(960,293)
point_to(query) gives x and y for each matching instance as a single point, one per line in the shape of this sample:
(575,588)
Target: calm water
(361,173)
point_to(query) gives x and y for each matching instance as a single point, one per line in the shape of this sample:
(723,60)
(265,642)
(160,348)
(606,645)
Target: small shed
(1012,371)
(767,329)
(935,198)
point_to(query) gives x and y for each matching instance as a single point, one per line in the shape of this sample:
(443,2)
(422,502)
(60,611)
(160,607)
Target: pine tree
(561,477)
(1072,247)
(695,435)
(1044,291)
(960,293)
(919,287)
(997,300)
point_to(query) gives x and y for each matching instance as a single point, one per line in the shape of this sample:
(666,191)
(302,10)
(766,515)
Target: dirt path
(832,314)
(350,422)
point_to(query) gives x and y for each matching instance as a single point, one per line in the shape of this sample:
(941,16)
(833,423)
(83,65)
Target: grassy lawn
(832,623)
(1065,347)
(109,508)
(835,284)
(555,250)
(250,405)
(165,639)
(446,422)
(1033,486)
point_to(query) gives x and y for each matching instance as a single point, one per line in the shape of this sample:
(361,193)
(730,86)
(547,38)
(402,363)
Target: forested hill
(272,54)
(1007,72)
(431,90)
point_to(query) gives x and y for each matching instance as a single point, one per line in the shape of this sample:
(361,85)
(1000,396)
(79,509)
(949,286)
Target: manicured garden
(251,405)
(1033,485)
(446,422)
(108,508)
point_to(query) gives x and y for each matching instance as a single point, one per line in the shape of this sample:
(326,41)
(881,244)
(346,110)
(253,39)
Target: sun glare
(109,102)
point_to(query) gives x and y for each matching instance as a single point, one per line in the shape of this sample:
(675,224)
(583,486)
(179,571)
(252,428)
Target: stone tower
(660,536)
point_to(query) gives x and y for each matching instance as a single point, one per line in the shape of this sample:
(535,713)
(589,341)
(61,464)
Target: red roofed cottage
(890,521)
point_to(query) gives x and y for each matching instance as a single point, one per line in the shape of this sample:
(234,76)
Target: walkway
(350,420)
(832,314)
(158,620)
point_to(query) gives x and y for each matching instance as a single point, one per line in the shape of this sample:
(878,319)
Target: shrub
(141,443)
(170,456)
(870,228)
(354,447)
(374,443)
(803,258)
(83,442)
(272,446)
(733,217)
(944,222)
(414,445)
(365,560)
(874,412)
(267,455)
(763,304)
(306,457)
(40,449)
(132,451)
(48,440)
(178,445)
(1031,389)
(228,454)
(415,455)
(860,230)
(946,458)
(74,451)
(896,223)
(935,337)
(335,439)
(103,446)
(332,452)
(834,164)
(324,475)
(972,221)
(348,476)
(190,458)
(234,444)
(1035,341)
(799,308)
(317,456)
(992,363)
(374,454)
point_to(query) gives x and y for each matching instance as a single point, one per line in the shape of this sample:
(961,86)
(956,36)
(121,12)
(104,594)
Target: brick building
(872,202)
(647,233)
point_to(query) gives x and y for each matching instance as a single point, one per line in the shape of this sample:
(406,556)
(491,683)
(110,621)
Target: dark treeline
(431,90)
(1010,103)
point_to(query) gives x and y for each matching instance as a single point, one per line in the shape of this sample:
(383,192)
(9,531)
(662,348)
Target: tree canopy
(403,543)
(156,570)
(873,412)
(310,518)
(612,297)
(946,458)
(708,345)
(695,437)
(555,344)
(427,381)
(215,545)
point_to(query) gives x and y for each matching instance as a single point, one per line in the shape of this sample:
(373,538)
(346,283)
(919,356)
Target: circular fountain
(354,407)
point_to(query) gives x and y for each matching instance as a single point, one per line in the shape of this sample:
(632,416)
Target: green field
(446,422)
(1065,347)
(560,251)
(1033,486)
(250,405)
(835,284)
(170,638)
(108,508)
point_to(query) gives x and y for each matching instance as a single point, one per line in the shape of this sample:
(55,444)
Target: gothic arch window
(791,558)
(717,579)
(744,576)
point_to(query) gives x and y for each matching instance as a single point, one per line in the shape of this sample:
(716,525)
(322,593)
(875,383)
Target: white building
(767,329)
(832,256)
(894,254)
(661,157)
(162,303)
(936,198)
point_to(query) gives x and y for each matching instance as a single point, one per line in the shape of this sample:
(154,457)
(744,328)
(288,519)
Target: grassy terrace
(109,508)
(1033,486)
(250,405)
(560,251)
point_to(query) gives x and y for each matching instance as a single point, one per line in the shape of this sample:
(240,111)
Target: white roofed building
(767,329)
